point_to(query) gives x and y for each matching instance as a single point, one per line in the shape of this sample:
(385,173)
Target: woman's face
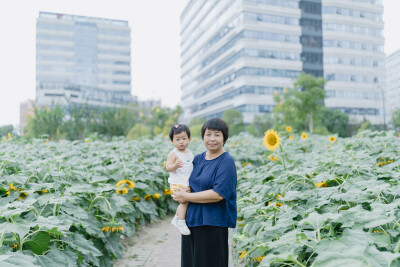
(213,140)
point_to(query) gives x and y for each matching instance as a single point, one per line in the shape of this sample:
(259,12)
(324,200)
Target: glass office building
(354,61)
(392,88)
(82,60)
(237,53)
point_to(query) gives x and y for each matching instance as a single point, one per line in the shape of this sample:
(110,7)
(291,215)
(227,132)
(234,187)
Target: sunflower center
(271,139)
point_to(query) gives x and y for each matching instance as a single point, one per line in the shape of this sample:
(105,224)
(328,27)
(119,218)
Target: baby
(180,166)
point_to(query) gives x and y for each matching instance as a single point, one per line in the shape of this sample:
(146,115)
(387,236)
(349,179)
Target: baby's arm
(173,162)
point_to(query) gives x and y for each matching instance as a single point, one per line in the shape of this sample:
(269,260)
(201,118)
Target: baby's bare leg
(181,211)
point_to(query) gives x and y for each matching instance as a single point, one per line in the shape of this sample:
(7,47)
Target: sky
(155,51)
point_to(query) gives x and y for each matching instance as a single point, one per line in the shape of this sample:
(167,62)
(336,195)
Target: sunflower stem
(283,157)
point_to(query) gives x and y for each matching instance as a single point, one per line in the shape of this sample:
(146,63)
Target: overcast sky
(155,45)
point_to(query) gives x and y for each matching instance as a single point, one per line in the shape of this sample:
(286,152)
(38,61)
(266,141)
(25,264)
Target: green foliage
(396,119)
(234,119)
(77,122)
(137,131)
(335,121)
(112,121)
(260,124)
(331,204)
(366,125)
(197,121)
(195,130)
(75,127)
(46,121)
(195,126)
(299,107)
(4,130)
(71,197)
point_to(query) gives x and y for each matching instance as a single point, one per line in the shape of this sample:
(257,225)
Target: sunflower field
(303,200)
(69,203)
(318,200)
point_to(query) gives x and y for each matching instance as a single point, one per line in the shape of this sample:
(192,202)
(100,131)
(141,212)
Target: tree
(310,94)
(335,121)
(137,131)
(260,124)
(396,119)
(301,105)
(195,126)
(366,124)
(74,128)
(234,119)
(46,121)
(113,121)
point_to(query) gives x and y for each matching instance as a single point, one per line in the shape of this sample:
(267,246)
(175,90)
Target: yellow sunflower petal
(120,183)
(271,140)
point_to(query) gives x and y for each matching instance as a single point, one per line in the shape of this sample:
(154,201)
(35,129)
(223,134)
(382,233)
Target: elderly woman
(212,201)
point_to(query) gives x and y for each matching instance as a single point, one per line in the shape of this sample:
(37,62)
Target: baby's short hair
(177,129)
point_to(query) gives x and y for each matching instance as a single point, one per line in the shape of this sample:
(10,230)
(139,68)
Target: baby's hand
(187,189)
(179,163)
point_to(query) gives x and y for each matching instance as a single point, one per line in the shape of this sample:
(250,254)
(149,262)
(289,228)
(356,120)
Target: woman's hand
(180,195)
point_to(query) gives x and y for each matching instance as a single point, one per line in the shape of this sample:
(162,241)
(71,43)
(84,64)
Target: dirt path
(156,245)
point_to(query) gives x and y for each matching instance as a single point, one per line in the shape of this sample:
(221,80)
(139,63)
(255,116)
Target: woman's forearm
(208,196)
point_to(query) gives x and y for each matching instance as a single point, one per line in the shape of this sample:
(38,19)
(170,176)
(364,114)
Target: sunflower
(332,139)
(128,182)
(135,198)
(272,158)
(304,136)
(148,197)
(3,139)
(271,140)
(323,184)
(156,195)
(167,191)
(23,195)
(243,253)
(291,137)
(288,129)
(122,191)
(7,192)
(9,136)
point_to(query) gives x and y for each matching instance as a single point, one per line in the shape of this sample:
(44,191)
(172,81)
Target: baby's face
(181,141)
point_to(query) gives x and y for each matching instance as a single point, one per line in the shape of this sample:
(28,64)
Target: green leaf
(83,245)
(38,243)
(19,228)
(17,259)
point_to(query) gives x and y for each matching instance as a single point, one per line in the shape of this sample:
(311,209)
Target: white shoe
(173,222)
(182,227)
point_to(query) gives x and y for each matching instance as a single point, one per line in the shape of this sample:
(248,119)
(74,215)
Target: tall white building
(237,53)
(82,60)
(354,58)
(392,92)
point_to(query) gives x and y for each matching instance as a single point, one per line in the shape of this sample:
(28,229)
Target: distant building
(354,61)
(150,103)
(236,53)
(82,60)
(392,92)
(26,110)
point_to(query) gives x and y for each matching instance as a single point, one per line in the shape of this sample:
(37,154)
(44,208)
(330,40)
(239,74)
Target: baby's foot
(174,220)
(182,227)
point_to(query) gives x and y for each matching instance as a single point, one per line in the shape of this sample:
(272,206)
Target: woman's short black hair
(216,125)
(177,129)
